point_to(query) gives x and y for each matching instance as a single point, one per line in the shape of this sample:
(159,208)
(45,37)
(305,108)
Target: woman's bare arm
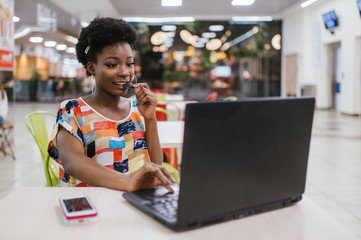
(147,104)
(75,163)
(152,138)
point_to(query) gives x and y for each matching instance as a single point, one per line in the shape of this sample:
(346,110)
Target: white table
(171,134)
(34,213)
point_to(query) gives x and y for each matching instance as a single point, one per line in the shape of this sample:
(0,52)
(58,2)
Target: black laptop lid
(237,155)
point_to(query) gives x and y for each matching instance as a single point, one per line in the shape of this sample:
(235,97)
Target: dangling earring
(134,80)
(92,82)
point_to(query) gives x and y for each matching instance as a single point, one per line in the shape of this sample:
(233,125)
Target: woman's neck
(105,100)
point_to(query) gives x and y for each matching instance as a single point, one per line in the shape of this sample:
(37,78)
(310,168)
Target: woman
(99,140)
(4,108)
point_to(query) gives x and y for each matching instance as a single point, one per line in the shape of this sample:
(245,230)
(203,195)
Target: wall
(304,34)
(24,66)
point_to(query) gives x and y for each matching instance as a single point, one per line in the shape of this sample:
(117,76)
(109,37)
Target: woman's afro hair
(100,33)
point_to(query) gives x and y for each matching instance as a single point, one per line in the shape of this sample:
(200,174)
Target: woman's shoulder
(71,102)
(71,106)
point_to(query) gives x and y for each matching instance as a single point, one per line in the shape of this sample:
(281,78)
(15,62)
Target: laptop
(239,158)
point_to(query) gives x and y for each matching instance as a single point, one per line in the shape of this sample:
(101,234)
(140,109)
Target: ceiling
(70,13)
(201,9)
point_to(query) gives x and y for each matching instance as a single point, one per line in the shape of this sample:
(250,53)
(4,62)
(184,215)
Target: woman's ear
(90,66)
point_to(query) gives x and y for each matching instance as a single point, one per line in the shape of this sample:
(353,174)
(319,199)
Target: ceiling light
(276,41)
(185,36)
(242,2)
(36,39)
(168,43)
(50,43)
(159,20)
(209,35)
(199,45)
(252,18)
(171,3)
(226,35)
(163,48)
(203,40)
(70,50)
(158,38)
(194,39)
(307,3)
(61,47)
(71,39)
(214,44)
(168,28)
(225,46)
(170,34)
(216,28)
(16,19)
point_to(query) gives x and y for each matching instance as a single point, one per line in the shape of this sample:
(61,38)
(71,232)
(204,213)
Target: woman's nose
(123,72)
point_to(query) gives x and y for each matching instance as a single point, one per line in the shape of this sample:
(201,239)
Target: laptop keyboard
(166,207)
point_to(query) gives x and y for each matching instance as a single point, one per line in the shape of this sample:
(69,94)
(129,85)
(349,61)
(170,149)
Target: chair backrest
(172,171)
(230,98)
(170,117)
(179,111)
(161,97)
(211,97)
(37,123)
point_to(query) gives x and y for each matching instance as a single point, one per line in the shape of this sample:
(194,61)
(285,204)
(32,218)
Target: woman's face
(114,67)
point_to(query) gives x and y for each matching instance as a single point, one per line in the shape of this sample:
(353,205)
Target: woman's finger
(168,175)
(141,95)
(141,85)
(143,88)
(144,98)
(144,93)
(164,176)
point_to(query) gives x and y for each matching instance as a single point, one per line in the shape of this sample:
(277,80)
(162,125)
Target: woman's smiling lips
(121,84)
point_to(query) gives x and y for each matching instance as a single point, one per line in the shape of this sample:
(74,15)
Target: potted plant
(33,85)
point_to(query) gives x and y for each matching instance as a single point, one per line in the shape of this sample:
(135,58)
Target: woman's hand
(150,175)
(146,100)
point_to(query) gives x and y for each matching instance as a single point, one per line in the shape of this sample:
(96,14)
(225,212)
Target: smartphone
(78,209)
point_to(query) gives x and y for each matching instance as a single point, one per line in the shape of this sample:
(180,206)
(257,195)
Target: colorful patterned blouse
(119,145)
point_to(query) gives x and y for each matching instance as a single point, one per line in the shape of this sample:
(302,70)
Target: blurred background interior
(241,48)
(200,51)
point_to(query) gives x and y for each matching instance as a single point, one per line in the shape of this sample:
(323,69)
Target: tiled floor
(334,173)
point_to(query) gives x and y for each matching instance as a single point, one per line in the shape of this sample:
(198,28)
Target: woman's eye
(111,65)
(130,64)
